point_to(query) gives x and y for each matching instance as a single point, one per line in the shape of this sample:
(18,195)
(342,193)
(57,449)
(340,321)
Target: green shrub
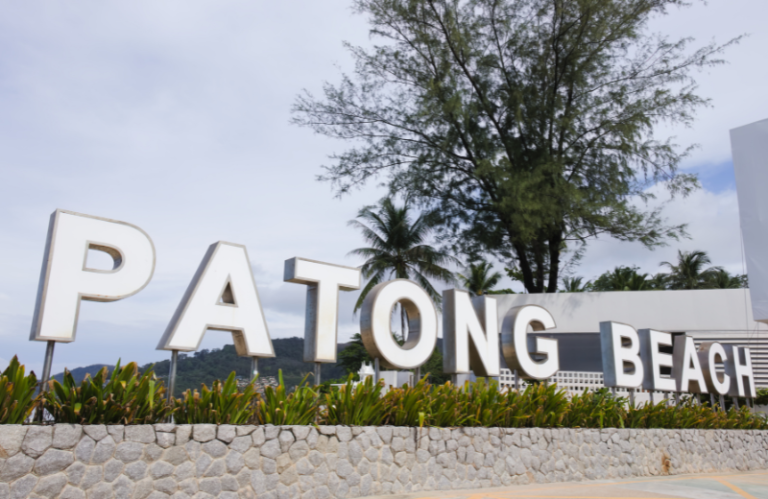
(360,405)
(277,407)
(222,404)
(599,409)
(125,398)
(407,406)
(17,393)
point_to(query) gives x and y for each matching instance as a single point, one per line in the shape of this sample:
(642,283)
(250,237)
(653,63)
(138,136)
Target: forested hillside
(207,365)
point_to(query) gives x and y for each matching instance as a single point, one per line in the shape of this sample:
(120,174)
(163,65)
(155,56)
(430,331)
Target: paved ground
(712,486)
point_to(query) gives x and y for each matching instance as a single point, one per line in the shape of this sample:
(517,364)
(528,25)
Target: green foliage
(479,278)
(360,405)
(17,393)
(127,397)
(300,407)
(529,125)
(205,366)
(621,279)
(599,409)
(353,355)
(222,404)
(689,272)
(398,248)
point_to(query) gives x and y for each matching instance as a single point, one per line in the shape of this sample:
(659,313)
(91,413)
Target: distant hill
(207,365)
(80,372)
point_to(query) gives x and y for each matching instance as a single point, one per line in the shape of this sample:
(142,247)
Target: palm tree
(721,279)
(479,279)
(622,279)
(397,249)
(573,285)
(689,273)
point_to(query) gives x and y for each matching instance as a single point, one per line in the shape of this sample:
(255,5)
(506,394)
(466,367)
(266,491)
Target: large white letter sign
(654,360)
(222,296)
(620,348)
(66,278)
(321,324)
(708,355)
(471,340)
(738,367)
(686,367)
(376,324)
(519,347)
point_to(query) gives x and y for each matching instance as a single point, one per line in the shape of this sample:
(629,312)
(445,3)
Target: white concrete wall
(749,145)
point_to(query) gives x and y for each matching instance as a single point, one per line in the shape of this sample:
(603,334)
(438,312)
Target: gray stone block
(22,487)
(53,461)
(11,438)
(105,449)
(16,467)
(37,440)
(165,440)
(144,434)
(96,432)
(127,451)
(137,470)
(51,486)
(66,436)
(226,433)
(117,432)
(84,450)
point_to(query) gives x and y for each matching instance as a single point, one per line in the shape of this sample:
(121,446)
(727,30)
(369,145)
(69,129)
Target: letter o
(376,324)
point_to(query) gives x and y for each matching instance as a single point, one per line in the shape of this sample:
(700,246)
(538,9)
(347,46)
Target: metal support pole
(712,400)
(376,371)
(666,398)
(613,391)
(650,395)
(722,402)
(677,398)
(254,368)
(749,402)
(632,396)
(318,373)
(455,379)
(47,363)
(735,402)
(416,375)
(517,381)
(172,374)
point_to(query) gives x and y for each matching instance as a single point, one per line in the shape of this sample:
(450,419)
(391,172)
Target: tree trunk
(402,322)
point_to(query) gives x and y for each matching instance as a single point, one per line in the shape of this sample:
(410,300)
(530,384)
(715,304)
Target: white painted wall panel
(749,145)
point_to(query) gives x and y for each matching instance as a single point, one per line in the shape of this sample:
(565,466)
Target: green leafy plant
(407,406)
(222,404)
(17,393)
(277,407)
(599,409)
(360,405)
(124,398)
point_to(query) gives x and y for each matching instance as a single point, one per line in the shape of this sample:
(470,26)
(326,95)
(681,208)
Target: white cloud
(174,116)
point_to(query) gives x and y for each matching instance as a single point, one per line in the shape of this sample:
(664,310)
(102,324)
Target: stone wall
(292,462)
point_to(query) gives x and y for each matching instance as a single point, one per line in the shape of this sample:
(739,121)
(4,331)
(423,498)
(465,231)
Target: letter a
(222,296)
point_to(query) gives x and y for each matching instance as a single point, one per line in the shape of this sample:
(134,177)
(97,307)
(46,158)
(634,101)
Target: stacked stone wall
(303,462)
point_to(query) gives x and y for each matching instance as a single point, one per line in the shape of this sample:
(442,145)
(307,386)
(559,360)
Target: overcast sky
(174,116)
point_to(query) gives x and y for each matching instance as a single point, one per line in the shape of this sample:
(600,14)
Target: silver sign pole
(47,362)
(254,368)
(318,373)
(376,370)
(172,374)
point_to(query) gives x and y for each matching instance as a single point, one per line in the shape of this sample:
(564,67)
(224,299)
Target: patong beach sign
(223,295)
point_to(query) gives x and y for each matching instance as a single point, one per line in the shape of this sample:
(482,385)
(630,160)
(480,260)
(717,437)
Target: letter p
(65,278)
